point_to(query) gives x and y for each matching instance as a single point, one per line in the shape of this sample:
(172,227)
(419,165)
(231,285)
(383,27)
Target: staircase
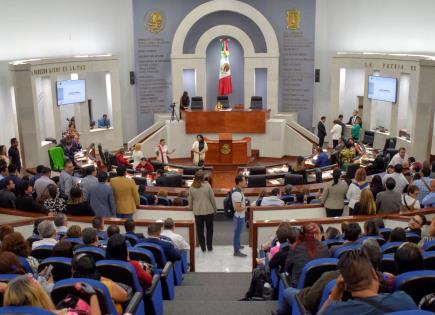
(215,294)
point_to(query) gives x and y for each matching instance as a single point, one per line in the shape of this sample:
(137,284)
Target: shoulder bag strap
(427,186)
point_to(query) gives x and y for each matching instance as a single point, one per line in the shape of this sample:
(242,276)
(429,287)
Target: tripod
(173,115)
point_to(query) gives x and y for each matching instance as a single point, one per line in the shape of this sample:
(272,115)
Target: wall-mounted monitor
(70,92)
(382,89)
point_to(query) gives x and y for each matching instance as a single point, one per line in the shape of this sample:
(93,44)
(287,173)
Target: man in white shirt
(399,158)
(398,177)
(239,205)
(162,152)
(42,182)
(274,199)
(47,231)
(177,239)
(66,180)
(336,133)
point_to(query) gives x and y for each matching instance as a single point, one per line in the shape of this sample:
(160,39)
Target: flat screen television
(70,91)
(382,89)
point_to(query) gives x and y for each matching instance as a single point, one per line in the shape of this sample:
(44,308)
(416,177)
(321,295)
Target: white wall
(47,28)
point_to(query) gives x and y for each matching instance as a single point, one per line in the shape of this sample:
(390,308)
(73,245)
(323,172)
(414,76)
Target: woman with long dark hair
(333,196)
(203,205)
(376,186)
(199,148)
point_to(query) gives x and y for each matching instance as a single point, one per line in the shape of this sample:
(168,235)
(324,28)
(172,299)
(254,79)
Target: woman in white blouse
(199,148)
(137,155)
(335,133)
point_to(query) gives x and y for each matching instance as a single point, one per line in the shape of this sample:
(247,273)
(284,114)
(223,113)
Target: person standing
(14,154)
(336,133)
(89,180)
(356,129)
(199,148)
(341,123)
(203,204)
(399,158)
(333,196)
(126,194)
(352,120)
(66,180)
(162,152)
(42,182)
(137,155)
(3,154)
(239,205)
(321,130)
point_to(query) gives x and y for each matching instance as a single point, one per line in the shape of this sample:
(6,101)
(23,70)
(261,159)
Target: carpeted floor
(215,294)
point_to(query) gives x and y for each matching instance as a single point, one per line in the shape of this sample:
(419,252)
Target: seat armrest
(134,303)
(151,289)
(167,269)
(285,280)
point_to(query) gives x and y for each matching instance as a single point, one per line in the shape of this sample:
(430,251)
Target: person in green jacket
(356,128)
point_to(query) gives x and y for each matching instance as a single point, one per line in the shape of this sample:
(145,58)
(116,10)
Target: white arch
(224,30)
(227,5)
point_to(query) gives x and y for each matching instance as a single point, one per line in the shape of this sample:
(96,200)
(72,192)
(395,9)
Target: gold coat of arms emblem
(293,19)
(154,22)
(225,149)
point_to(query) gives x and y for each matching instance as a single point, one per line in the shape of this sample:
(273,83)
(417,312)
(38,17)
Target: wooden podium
(227,151)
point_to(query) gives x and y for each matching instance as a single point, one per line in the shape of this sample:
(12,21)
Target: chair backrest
(101,153)
(68,286)
(257,170)
(351,170)
(140,180)
(385,232)
(257,181)
(379,239)
(314,269)
(25,264)
(96,252)
(345,248)
(20,310)
(412,237)
(191,170)
(119,271)
(327,289)
(158,253)
(388,264)
(42,252)
(390,247)
(428,246)
(293,179)
(61,267)
(333,242)
(173,180)
(157,165)
(369,137)
(256,102)
(142,254)
(416,283)
(74,240)
(224,101)
(196,102)
(161,201)
(133,239)
(287,199)
(390,143)
(429,260)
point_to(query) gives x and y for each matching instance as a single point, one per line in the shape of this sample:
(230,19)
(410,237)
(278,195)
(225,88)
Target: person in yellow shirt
(126,194)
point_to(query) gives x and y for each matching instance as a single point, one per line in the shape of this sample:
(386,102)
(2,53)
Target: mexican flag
(225,85)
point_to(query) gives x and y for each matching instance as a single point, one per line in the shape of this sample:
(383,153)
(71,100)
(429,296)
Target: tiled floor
(221,259)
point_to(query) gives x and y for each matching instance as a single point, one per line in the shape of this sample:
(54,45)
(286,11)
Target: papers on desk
(277,170)
(274,182)
(189,182)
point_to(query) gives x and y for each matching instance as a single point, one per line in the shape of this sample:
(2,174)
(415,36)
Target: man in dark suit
(160,178)
(353,118)
(321,131)
(171,253)
(25,200)
(130,226)
(341,123)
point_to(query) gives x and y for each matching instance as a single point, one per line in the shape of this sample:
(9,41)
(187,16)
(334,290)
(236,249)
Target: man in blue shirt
(429,200)
(360,278)
(104,122)
(171,253)
(322,158)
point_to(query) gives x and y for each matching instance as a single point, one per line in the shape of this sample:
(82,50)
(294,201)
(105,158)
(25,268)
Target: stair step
(217,278)
(219,308)
(210,292)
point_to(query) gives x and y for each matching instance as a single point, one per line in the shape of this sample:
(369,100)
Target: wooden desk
(226,121)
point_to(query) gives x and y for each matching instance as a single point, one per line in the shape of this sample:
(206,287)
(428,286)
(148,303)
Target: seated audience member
(299,199)
(162,198)
(47,232)
(117,250)
(89,180)
(399,157)
(184,196)
(25,200)
(12,175)
(51,200)
(423,184)
(66,179)
(416,223)
(61,223)
(299,165)
(98,224)
(378,164)
(101,197)
(278,260)
(178,202)
(15,243)
(322,158)
(120,159)
(83,266)
(274,198)
(112,230)
(63,249)
(429,200)
(359,183)
(160,178)
(144,198)
(390,169)
(89,238)
(366,205)
(399,178)
(9,264)
(431,236)
(177,239)
(4,155)
(287,196)
(171,253)
(351,236)
(38,174)
(376,185)
(273,245)
(347,155)
(74,231)
(358,276)
(261,195)
(409,200)
(397,234)
(146,165)
(104,122)
(309,247)
(70,148)
(371,228)
(7,196)
(389,201)
(408,258)
(332,233)
(333,196)
(3,170)
(130,226)
(43,181)
(77,204)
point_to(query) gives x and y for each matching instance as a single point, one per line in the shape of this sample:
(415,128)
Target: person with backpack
(239,206)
